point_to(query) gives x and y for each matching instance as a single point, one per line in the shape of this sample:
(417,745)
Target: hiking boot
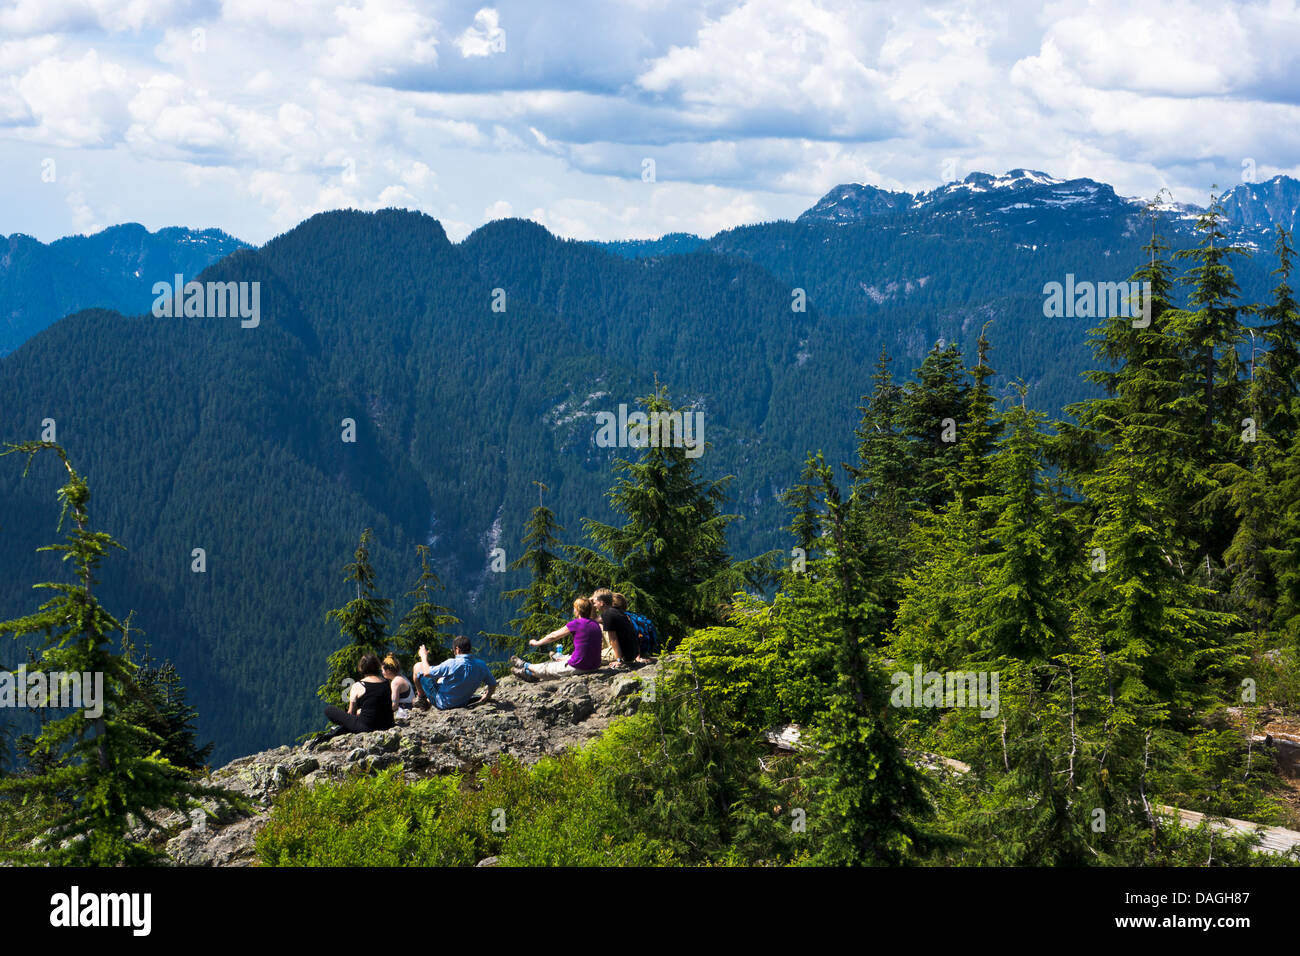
(521,671)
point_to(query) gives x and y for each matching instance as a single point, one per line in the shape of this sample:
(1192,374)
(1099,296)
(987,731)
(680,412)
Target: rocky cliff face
(526,721)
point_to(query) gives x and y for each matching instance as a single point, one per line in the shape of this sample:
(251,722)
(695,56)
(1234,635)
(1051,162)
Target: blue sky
(250,115)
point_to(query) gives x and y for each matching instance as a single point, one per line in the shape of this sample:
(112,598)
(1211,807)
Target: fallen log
(1275,840)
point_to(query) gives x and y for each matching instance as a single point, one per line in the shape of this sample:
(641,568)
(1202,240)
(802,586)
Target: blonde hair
(391,663)
(582,607)
(604,596)
(620,602)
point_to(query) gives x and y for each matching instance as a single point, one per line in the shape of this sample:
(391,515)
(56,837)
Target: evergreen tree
(1060,773)
(1154,618)
(872,799)
(931,417)
(1247,492)
(1213,326)
(1279,368)
(1140,370)
(426,622)
(880,500)
(1021,610)
(881,473)
(1283,551)
(543,607)
(980,435)
(102,775)
(1212,390)
(935,619)
(670,555)
(936,597)
(805,524)
(162,707)
(361,621)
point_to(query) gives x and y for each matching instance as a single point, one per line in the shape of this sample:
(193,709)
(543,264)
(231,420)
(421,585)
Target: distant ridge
(41,283)
(1250,207)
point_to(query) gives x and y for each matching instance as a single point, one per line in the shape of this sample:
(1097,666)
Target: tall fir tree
(1279,367)
(427,621)
(362,621)
(806,520)
(1210,330)
(1283,550)
(544,602)
(1140,363)
(99,776)
(979,438)
(880,499)
(1141,596)
(931,418)
(1022,609)
(162,707)
(872,800)
(670,554)
(881,473)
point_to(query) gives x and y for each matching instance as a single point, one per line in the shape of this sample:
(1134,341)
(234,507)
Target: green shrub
(646,793)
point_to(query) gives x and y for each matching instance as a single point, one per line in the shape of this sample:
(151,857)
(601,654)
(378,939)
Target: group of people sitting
(604,632)
(384,694)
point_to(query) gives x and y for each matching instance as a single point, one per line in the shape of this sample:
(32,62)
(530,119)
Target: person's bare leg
(421,668)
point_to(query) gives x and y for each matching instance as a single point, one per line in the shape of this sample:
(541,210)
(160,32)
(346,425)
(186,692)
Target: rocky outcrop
(525,720)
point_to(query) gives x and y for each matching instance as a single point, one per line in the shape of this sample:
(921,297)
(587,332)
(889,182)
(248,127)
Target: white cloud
(379,39)
(750,108)
(485,37)
(27,17)
(77,102)
(794,65)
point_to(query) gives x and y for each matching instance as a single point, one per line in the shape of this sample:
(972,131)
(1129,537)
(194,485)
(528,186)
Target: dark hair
(368,665)
(461,643)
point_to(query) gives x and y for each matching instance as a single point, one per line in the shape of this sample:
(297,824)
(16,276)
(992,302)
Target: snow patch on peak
(1032,175)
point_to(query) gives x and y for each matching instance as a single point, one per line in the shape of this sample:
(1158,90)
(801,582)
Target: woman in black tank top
(375,708)
(372,708)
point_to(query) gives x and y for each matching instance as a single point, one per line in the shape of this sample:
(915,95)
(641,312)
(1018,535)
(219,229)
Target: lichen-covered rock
(524,720)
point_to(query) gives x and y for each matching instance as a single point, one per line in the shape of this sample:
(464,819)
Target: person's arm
(396,695)
(354,697)
(437,673)
(555,635)
(491,681)
(612,637)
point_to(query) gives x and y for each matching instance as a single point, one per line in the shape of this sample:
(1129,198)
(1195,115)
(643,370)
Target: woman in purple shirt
(586,648)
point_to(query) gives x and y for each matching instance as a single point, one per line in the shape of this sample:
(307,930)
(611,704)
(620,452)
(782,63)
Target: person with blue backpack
(647,634)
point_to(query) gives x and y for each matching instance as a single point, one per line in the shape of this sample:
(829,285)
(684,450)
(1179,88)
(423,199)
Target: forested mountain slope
(198,433)
(473,370)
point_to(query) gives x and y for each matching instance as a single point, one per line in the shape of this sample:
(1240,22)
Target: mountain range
(112,269)
(471,370)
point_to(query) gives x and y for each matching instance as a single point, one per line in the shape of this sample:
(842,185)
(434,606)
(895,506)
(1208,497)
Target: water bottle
(559,650)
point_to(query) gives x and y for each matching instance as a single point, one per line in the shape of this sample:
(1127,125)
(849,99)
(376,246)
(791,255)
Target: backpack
(646,631)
